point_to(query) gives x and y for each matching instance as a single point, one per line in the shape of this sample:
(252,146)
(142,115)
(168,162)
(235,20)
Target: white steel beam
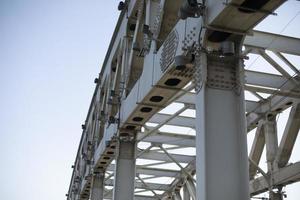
(151,155)
(264,79)
(253,78)
(275,64)
(287,62)
(273,104)
(270,130)
(180,178)
(190,121)
(274,42)
(178,164)
(289,136)
(146,185)
(256,149)
(161,122)
(236,17)
(151,171)
(283,176)
(171,138)
(152,186)
(176,121)
(273,91)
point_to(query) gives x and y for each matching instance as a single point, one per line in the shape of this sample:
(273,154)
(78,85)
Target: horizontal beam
(176,121)
(272,91)
(150,171)
(264,79)
(151,155)
(274,42)
(289,136)
(189,98)
(140,185)
(190,121)
(275,104)
(170,138)
(283,176)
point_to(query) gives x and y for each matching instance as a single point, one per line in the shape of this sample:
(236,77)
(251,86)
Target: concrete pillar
(97,186)
(222,160)
(125,171)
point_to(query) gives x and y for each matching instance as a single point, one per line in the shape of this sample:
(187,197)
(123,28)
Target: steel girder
(100,138)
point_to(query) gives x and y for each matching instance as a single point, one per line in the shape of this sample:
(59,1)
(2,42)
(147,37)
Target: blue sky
(50,53)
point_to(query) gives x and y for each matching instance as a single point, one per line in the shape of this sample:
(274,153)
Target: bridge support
(97,187)
(222,164)
(125,171)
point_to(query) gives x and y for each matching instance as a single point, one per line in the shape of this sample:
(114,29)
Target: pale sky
(50,53)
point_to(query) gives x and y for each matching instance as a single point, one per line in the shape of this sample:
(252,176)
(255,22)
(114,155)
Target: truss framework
(139,138)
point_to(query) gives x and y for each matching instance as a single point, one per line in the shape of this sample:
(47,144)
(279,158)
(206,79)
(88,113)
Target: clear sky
(50,53)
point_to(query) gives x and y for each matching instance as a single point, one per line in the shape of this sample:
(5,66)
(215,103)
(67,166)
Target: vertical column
(97,186)
(222,160)
(270,129)
(125,169)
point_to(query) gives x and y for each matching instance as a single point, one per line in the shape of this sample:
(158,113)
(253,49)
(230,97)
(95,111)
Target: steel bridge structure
(168,118)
